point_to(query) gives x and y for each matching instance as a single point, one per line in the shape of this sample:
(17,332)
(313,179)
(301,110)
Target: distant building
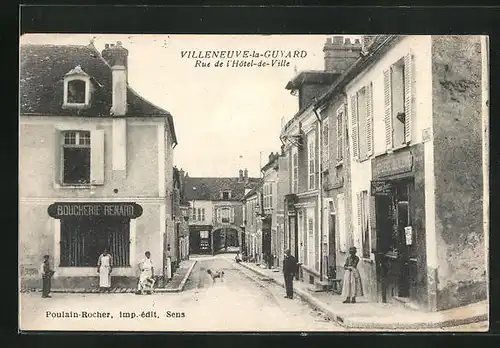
(216,211)
(95,166)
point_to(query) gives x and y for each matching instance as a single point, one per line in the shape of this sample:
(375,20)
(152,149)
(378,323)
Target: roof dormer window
(77,88)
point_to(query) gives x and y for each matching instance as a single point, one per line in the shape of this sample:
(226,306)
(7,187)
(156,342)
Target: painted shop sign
(393,164)
(124,210)
(381,188)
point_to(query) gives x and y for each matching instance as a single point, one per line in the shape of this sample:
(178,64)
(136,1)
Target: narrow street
(243,302)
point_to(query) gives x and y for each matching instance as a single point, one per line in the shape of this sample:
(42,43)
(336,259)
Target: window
(362,123)
(84,239)
(341,226)
(295,170)
(312,161)
(225,215)
(76,92)
(326,143)
(340,134)
(226,195)
(268,195)
(76,157)
(398,102)
(199,214)
(364,222)
(79,157)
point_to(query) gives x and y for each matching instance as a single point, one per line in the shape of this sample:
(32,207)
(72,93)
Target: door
(383,211)
(332,262)
(311,255)
(403,220)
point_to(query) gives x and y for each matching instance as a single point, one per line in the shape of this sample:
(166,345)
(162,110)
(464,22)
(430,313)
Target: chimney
(282,150)
(245,176)
(366,42)
(117,58)
(340,54)
(240,178)
(271,157)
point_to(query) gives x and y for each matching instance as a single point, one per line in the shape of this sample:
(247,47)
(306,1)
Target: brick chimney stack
(117,58)
(245,175)
(240,178)
(340,54)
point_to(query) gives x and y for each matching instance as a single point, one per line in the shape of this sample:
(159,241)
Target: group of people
(351,285)
(105,268)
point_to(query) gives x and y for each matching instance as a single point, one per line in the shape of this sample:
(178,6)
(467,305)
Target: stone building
(216,211)
(409,176)
(95,166)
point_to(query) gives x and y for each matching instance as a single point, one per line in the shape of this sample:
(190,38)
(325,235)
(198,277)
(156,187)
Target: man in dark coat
(289,271)
(46,273)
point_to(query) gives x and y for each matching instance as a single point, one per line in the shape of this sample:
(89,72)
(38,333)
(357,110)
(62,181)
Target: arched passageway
(225,239)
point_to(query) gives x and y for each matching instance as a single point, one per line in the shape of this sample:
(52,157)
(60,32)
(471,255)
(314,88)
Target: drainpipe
(320,195)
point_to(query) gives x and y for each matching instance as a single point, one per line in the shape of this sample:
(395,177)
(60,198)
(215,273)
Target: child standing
(351,286)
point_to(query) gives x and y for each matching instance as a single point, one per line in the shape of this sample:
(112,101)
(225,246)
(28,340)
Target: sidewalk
(178,281)
(377,316)
(176,284)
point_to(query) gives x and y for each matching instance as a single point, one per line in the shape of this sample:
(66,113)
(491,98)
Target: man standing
(46,273)
(289,270)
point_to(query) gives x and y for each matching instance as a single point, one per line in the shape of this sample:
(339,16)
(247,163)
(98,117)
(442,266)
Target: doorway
(393,248)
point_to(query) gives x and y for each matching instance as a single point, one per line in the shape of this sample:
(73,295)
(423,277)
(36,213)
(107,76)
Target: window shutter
(388,108)
(340,136)
(369,120)
(354,125)
(218,215)
(232,215)
(360,203)
(58,161)
(408,96)
(97,157)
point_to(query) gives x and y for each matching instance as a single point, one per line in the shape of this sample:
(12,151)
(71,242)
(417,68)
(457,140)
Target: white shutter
(409,105)
(369,120)
(341,226)
(97,157)
(232,214)
(58,153)
(388,108)
(354,126)
(217,211)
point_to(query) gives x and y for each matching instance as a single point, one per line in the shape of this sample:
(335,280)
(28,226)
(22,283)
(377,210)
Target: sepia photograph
(253,183)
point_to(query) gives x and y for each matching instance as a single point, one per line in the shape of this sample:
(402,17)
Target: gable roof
(209,189)
(42,70)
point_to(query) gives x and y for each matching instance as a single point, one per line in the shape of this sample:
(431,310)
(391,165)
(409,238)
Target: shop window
(84,239)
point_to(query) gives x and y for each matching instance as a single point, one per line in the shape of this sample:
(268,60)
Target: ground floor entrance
(395,240)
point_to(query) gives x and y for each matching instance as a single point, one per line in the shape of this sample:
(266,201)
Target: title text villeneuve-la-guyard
(243,58)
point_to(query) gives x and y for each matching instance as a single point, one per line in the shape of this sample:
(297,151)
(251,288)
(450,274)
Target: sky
(225,118)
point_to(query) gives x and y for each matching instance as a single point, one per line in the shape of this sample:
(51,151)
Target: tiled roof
(254,190)
(41,83)
(209,189)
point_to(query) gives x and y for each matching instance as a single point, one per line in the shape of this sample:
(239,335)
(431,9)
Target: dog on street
(216,274)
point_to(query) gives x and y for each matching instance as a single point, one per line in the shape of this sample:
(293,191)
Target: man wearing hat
(351,285)
(47,274)
(289,270)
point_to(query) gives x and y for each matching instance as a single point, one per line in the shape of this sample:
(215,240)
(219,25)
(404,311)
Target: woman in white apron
(104,268)
(146,270)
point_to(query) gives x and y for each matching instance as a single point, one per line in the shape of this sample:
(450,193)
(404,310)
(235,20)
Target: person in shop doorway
(47,274)
(289,271)
(351,284)
(104,268)
(146,280)
(168,261)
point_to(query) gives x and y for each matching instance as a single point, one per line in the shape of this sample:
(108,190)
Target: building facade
(216,211)
(180,207)
(103,157)
(252,209)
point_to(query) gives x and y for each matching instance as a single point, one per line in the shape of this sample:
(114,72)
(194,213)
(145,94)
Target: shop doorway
(393,219)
